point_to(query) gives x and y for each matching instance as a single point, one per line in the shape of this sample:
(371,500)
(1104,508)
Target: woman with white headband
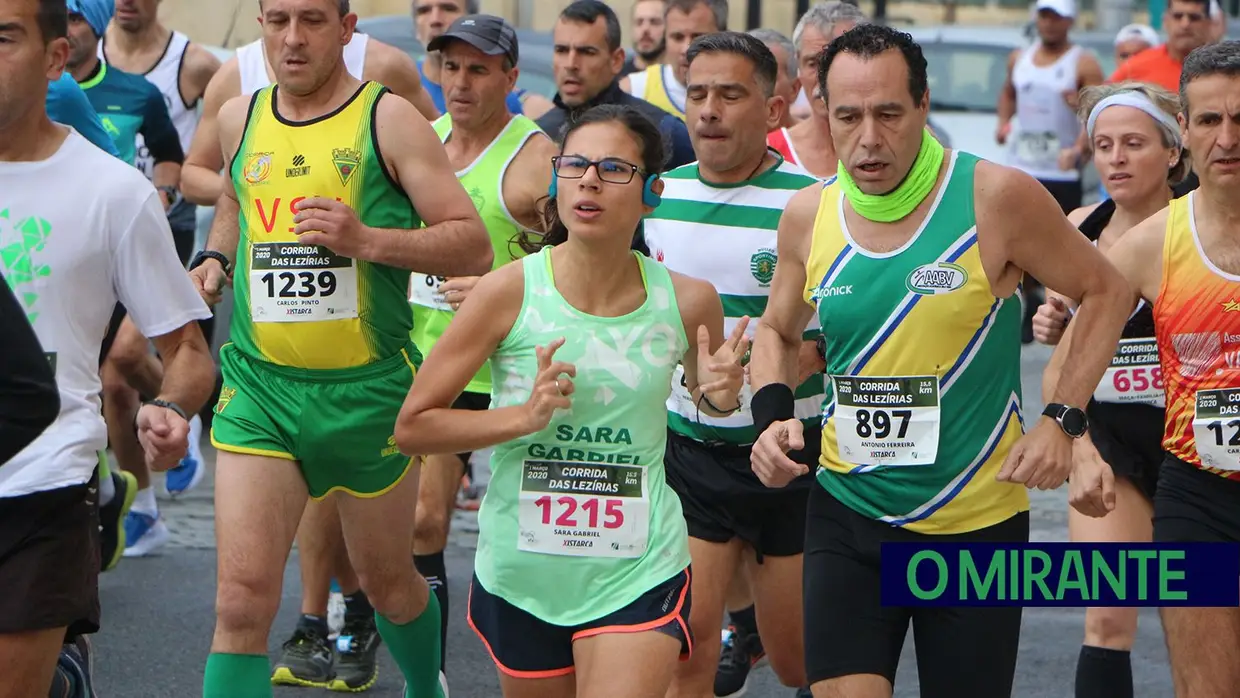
(1139,155)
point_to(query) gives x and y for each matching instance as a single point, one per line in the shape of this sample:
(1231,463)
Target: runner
(87,230)
(1184,261)
(1132,39)
(648,40)
(1041,93)
(730,202)
(786,85)
(67,104)
(430,19)
(1135,139)
(808,143)
(354,255)
(663,84)
(1188,27)
(587,60)
(619,323)
(501,159)
(936,241)
(249,71)
(138,43)
(130,108)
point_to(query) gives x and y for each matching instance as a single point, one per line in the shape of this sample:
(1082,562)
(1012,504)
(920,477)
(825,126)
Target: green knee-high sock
(415,647)
(237,676)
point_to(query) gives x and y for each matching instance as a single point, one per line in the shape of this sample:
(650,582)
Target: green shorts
(337,424)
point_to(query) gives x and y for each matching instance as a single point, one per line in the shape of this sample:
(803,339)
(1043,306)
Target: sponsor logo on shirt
(257,167)
(762,266)
(346,160)
(299,168)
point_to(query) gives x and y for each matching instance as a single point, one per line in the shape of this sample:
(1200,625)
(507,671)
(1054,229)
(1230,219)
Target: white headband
(1136,100)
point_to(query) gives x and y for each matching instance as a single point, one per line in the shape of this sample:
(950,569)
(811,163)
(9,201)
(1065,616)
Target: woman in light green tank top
(583,557)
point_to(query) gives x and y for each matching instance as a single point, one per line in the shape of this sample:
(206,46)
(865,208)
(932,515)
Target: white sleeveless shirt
(1045,123)
(252,63)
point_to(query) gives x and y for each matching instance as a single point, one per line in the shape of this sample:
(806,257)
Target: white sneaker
(335,615)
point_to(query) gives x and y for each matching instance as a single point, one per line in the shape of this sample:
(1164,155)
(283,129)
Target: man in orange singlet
(1186,261)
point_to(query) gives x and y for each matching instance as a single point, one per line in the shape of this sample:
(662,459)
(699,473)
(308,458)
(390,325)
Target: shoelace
(358,634)
(307,641)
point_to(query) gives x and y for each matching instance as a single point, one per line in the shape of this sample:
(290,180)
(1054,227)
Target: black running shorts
(49,560)
(1194,506)
(960,651)
(1129,438)
(526,647)
(471,401)
(723,499)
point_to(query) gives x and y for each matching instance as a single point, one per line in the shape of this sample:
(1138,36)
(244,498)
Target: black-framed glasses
(610,170)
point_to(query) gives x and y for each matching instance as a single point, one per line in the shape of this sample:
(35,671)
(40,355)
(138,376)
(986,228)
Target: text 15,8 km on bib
(887,420)
(583,509)
(301,283)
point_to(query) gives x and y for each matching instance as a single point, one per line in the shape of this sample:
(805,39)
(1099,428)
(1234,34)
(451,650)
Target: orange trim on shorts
(547,674)
(674,614)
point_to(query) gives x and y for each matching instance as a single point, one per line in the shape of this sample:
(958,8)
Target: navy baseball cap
(492,35)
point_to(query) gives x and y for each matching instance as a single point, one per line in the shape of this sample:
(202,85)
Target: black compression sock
(356,605)
(744,620)
(311,622)
(432,568)
(1103,673)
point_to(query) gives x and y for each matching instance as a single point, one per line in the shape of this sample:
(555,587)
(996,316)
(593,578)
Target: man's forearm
(450,248)
(774,358)
(166,174)
(1096,329)
(189,375)
(225,229)
(201,185)
(1007,108)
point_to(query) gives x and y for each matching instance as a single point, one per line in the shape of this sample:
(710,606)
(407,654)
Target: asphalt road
(158,615)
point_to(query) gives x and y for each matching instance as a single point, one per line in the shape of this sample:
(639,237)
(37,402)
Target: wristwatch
(211,254)
(168,406)
(1071,419)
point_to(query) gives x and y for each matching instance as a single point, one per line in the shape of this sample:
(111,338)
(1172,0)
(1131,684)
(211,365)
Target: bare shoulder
(226,82)
(693,294)
(504,285)
(200,62)
(536,152)
(1078,216)
(1147,236)
(1006,188)
(384,62)
(393,106)
(803,206)
(232,118)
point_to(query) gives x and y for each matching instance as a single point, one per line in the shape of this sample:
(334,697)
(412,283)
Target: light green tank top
(578,520)
(483,180)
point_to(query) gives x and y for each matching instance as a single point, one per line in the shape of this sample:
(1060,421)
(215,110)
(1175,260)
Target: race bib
(887,420)
(301,283)
(1134,376)
(1216,427)
(583,509)
(424,291)
(1038,148)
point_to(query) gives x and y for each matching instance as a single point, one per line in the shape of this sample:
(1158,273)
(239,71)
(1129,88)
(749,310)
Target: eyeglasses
(610,170)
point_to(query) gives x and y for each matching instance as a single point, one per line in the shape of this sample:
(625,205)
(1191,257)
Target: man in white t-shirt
(79,230)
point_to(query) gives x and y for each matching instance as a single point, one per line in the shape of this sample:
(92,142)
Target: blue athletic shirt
(436,92)
(129,104)
(67,104)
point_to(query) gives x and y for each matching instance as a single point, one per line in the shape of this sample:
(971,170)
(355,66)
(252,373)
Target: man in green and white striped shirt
(718,222)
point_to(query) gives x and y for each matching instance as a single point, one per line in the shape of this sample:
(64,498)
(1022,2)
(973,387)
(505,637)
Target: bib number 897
(322,285)
(613,515)
(878,423)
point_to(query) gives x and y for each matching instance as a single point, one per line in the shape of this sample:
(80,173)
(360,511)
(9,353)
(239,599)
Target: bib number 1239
(301,283)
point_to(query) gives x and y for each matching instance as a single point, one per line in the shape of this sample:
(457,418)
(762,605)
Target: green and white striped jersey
(726,234)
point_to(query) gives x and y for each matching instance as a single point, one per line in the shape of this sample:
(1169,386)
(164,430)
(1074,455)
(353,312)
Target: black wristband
(168,406)
(772,403)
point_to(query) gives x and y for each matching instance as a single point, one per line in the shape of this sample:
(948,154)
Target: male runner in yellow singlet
(333,180)
(912,259)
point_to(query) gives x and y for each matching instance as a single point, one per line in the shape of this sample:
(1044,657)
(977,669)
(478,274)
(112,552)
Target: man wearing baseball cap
(1041,91)
(503,160)
(1133,39)
(1188,26)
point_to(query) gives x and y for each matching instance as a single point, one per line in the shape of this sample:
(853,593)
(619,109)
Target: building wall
(231,23)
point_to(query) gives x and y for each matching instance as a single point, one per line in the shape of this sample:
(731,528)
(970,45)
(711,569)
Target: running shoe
(739,654)
(144,533)
(357,666)
(305,660)
(112,518)
(77,661)
(190,470)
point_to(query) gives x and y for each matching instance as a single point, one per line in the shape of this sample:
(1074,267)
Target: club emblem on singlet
(762,266)
(935,278)
(257,167)
(347,160)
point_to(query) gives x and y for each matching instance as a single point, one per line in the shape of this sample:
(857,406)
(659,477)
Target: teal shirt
(129,105)
(578,519)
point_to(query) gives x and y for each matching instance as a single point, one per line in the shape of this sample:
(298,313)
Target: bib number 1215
(566,511)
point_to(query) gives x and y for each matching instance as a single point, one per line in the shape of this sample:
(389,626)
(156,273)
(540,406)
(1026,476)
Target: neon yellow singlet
(304,306)
(656,91)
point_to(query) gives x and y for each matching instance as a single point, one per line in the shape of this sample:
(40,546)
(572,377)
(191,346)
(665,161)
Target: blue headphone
(649,198)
